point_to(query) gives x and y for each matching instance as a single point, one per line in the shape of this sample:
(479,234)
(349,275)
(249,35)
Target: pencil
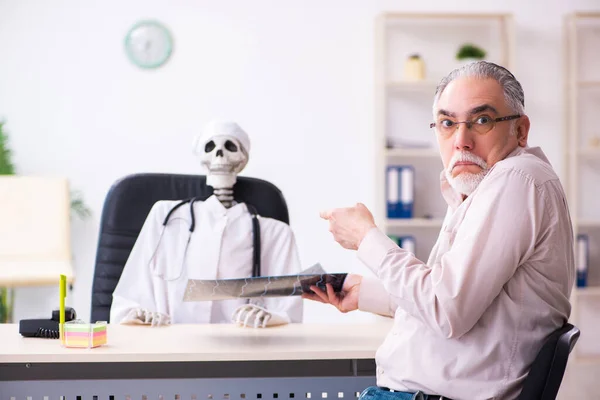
(63,294)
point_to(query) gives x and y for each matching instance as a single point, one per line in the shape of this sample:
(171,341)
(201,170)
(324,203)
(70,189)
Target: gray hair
(513,92)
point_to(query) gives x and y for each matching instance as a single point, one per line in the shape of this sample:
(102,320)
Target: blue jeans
(377,393)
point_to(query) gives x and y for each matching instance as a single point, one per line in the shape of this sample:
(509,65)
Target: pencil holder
(84,335)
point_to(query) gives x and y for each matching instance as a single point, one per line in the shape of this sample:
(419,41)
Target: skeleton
(224,150)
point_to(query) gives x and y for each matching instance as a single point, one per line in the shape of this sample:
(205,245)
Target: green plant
(6,165)
(7,297)
(6,168)
(469,50)
(78,205)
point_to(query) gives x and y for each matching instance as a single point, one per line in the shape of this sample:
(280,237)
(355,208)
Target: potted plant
(78,207)
(469,52)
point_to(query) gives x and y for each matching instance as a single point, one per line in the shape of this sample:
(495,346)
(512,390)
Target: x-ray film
(263,286)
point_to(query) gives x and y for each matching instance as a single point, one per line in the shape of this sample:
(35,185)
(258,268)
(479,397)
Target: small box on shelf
(414,68)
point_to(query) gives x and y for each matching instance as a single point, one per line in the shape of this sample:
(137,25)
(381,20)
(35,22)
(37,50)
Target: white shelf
(589,84)
(588,223)
(587,291)
(582,160)
(586,359)
(420,153)
(588,153)
(414,223)
(413,86)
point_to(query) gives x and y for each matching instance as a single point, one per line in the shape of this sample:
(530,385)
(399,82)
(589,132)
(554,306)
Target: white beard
(466,182)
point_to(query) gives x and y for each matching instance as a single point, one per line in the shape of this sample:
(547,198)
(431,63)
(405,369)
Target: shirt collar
(452,197)
(214,207)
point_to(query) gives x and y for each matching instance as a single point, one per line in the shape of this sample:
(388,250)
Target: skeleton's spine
(225,196)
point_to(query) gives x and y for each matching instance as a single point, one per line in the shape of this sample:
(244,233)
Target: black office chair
(548,368)
(127,205)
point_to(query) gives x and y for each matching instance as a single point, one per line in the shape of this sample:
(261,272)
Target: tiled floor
(581,381)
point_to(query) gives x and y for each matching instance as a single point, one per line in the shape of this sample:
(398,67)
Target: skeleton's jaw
(221,170)
(218,166)
(221,180)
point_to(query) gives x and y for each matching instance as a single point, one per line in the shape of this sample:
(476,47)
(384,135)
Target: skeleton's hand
(258,317)
(145,317)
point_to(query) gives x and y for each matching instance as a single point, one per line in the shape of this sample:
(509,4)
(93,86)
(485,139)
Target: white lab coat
(219,248)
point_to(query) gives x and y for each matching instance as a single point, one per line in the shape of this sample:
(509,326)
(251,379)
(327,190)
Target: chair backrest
(127,205)
(35,235)
(548,368)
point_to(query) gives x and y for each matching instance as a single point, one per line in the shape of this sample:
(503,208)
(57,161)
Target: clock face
(148,44)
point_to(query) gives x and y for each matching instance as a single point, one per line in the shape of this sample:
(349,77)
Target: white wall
(297,75)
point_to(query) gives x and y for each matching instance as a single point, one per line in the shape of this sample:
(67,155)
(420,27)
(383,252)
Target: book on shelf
(582,259)
(400,191)
(406,242)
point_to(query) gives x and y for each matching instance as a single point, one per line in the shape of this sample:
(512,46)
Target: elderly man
(470,321)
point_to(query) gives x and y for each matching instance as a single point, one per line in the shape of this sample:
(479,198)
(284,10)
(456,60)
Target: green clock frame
(166,52)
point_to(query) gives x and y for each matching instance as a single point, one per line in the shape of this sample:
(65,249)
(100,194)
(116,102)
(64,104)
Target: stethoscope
(255,237)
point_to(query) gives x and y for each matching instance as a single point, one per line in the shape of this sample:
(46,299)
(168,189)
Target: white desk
(195,362)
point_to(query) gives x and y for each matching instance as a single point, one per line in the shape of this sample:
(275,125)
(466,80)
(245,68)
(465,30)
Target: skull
(223,157)
(223,148)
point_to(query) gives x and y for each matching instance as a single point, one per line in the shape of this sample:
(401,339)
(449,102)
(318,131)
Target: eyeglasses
(482,124)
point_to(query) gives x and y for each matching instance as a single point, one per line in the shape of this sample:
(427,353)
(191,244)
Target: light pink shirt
(469,322)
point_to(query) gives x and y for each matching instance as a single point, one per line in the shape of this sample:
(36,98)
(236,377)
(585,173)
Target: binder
(582,259)
(400,191)
(408,243)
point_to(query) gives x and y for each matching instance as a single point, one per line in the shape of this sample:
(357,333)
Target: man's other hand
(346,300)
(349,225)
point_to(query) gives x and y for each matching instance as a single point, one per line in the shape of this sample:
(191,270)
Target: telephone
(45,328)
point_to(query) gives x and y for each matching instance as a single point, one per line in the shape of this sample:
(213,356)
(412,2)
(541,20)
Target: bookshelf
(582,161)
(403,105)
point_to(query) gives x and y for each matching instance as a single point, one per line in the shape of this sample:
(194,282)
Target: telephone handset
(45,328)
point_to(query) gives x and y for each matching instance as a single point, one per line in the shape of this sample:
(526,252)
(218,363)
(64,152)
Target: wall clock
(148,44)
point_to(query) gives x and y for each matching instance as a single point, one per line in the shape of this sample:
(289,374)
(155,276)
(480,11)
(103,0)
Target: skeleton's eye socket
(229,145)
(210,146)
